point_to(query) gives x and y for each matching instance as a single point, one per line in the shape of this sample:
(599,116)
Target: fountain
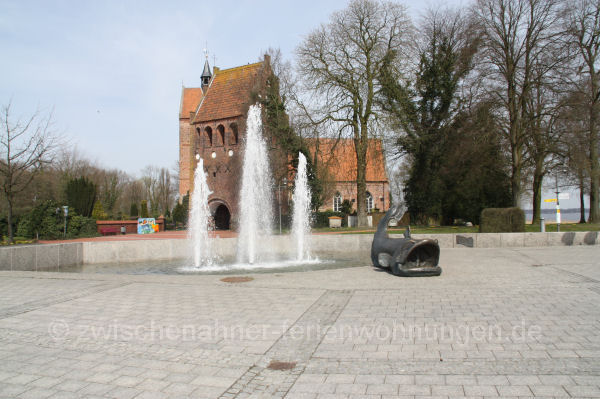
(200,220)
(255,196)
(301,221)
(257,248)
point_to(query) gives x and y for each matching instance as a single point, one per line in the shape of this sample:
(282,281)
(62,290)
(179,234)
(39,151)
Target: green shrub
(502,220)
(144,209)
(133,210)
(181,210)
(80,226)
(98,212)
(45,222)
(81,195)
(346,207)
(322,218)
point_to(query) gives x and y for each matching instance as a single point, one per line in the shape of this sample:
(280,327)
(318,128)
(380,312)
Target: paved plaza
(520,322)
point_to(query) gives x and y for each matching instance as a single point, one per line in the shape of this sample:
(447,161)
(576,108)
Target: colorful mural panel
(147,226)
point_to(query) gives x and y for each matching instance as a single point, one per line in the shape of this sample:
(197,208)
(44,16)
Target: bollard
(542,225)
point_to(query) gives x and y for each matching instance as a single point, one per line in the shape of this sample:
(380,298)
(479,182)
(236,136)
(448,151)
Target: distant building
(338,158)
(212,125)
(212,121)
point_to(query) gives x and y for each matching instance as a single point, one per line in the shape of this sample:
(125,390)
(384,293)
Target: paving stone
(514,390)
(328,323)
(152,385)
(548,390)
(349,388)
(37,393)
(583,390)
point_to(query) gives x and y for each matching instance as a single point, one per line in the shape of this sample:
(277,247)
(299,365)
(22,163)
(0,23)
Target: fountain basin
(229,267)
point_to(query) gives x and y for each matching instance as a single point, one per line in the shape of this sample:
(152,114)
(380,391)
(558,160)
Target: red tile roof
(190,99)
(228,93)
(340,159)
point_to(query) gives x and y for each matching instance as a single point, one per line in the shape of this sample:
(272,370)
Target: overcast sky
(113,70)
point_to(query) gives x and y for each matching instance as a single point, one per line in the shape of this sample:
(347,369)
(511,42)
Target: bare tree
(544,98)
(159,188)
(133,193)
(166,190)
(583,26)
(516,36)
(110,188)
(26,145)
(574,124)
(339,64)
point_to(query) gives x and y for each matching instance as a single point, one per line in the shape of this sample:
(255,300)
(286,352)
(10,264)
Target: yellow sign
(550,200)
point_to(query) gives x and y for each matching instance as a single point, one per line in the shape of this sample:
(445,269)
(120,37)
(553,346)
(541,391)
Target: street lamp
(284,184)
(66,213)
(557,198)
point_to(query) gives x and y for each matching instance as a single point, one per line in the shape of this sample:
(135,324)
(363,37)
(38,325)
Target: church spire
(206,74)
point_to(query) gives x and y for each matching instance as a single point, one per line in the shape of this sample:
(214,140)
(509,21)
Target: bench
(109,230)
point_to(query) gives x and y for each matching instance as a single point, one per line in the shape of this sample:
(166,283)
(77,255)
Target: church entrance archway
(222,218)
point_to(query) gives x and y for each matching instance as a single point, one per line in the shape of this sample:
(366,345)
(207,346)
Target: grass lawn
(461,229)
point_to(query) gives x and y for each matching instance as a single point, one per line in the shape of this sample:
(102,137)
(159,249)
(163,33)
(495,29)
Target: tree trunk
(361,185)
(9,219)
(515,178)
(581,200)
(594,165)
(538,178)
(594,171)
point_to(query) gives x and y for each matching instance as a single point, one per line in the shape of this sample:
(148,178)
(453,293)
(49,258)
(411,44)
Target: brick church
(212,121)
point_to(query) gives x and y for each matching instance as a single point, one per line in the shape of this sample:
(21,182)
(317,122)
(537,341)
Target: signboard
(146,226)
(550,200)
(563,196)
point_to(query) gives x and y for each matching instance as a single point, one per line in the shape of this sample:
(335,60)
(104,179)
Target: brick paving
(499,322)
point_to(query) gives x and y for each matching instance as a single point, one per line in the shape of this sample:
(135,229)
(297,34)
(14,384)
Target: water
(256,213)
(569,215)
(300,223)
(200,220)
(255,247)
(182,267)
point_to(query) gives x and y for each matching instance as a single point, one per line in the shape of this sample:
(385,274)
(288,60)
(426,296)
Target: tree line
(481,103)
(40,173)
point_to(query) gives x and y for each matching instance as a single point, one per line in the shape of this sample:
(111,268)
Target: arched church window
(234,133)
(369,202)
(221,138)
(209,136)
(337,202)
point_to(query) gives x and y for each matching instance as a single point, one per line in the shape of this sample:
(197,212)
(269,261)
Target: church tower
(212,123)
(206,75)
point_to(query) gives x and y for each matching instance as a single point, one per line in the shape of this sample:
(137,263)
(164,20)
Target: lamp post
(66,213)
(284,184)
(563,170)
(557,204)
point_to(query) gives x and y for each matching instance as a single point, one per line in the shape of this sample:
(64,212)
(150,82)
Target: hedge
(322,218)
(502,220)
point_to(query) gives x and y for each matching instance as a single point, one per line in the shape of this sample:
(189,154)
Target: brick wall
(184,156)
(224,168)
(379,190)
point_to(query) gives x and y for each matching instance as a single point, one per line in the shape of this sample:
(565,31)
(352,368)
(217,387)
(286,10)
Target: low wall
(130,225)
(503,240)
(47,257)
(53,257)
(338,245)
